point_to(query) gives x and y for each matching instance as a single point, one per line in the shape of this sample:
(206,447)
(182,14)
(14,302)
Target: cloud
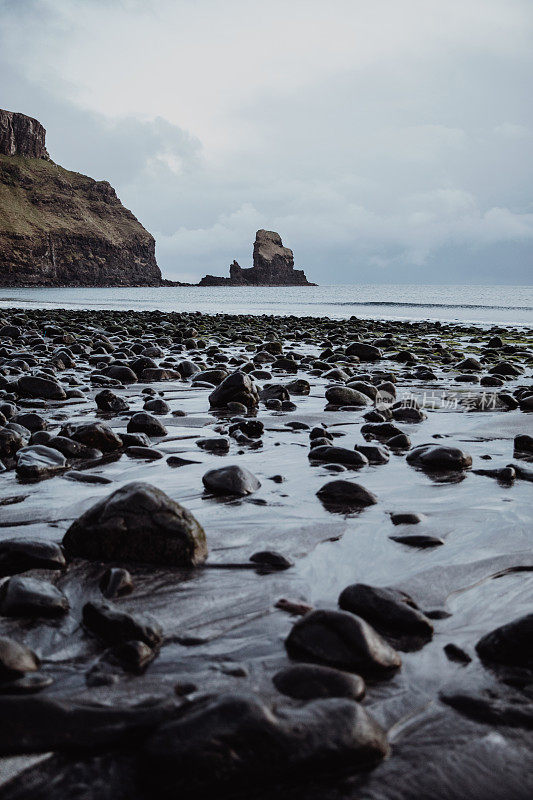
(383,140)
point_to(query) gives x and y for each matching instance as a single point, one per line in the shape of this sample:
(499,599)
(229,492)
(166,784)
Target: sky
(387,141)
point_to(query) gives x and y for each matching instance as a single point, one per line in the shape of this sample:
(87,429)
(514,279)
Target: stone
(20,555)
(45,388)
(112,625)
(95,434)
(406,518)
(311,681)
(418,540)
(522,444)
(157,406)
(510,644)
(142,422)
(343,495)
(236,388)
(338,455)
(233,479)
(32,422)
(373,452)
(271,561)
(15,660)
(138,523)
(345,396)
(381,430)
(116,582)
(29,597)
(110,403)
(37,461)
(10,443)
(234,740)
(214,444)
(439,457)
(365,352)
(341,640)
(391,612)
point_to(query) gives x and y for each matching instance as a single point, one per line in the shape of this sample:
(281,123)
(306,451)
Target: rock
(71,449)
(345,495)
(235,740)
(43,723)
(10,443)
(456,654)
(45,388)
(137,523)
(338,455)
(16,659)
(157,406)
(113,625)
(132,655)
(374,453)
(399,442)
(506,369)
(110,403)
(273,265)
(418,540)
(510,644)
(20,555)
(391,612)
(236,388)
(32,422)
(408,414)
(345,396)
(274,391)
(95,434)
(406,518)
(296,607)
(439,457)
(37,461)
(468,365)
(341,640)
(28,597)
(232,479)
(85,477)
(271,561)
(298,387)
(381,430)
(522,444)
(120,373)
(214,444)
(146,453)
(116,582)
(135,440)
(84,235)
(141,422)
(365,352)
(310,682)
(506,475)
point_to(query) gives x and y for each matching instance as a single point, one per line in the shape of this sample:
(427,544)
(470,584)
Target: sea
(486,305)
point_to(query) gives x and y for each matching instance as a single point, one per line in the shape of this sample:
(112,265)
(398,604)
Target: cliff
(60,228)
(273,265)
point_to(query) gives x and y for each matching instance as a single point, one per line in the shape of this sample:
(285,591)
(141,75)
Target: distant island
(61,228)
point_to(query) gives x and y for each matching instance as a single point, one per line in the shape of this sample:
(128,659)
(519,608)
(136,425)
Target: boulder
(311,681)
(138,523)
(439,457)
(29,597)
(233,479)
(510,644)
(236,388)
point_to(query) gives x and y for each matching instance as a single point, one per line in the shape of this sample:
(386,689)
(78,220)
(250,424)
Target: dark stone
(522,444)
(45,388)
(141,422)
(138,523)
(338,455)
(399,442)
(232,479)
(374,453)
(10,443)
(391,612)
(214,444)
(456,654)
(20,555)
(345,396)
(341,640)
(271,561)
(147,453)
(157,406)
(94,434)
(110,403)
(364,352)
(15,660)
(28,597)
(439,457)
(33,422)
(345,496)
(418,540)
(116,582)
(510,644)
(237,388)
(235,740)
(113,625)
(311,682)
(406,518)
(37,461)
(381,430)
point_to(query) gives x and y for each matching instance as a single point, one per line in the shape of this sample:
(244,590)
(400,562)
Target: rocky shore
(264,557)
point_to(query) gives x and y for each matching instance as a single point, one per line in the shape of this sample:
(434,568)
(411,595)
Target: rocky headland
(60,228)
(264,557)
(273,265)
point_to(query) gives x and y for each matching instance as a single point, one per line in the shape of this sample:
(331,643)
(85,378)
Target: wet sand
(451,724)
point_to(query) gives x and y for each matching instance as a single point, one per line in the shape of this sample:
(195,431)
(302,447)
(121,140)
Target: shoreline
(221,628)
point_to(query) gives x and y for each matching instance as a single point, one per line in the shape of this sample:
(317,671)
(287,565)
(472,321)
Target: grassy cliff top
(37,196)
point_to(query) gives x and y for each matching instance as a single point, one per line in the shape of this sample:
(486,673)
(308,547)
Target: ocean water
(505,305)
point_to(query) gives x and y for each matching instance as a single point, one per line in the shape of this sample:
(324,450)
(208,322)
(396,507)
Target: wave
(423,305)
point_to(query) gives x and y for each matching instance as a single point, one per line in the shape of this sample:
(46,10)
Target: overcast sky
(387,141)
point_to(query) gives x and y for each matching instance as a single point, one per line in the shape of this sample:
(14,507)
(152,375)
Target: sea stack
(273,265)
(60,228)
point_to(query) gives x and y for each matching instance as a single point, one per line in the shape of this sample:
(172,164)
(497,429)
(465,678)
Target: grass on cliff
(38,197)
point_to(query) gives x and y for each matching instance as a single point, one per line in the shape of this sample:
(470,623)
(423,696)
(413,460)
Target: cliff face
(273,265)
(60,228)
